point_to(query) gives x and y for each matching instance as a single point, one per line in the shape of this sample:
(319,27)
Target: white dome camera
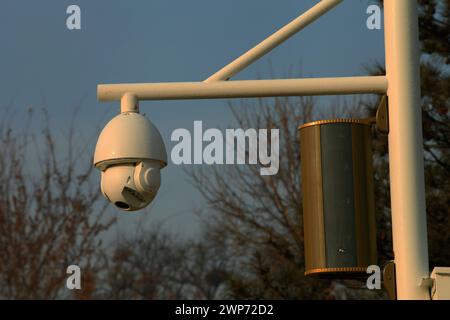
(130,154)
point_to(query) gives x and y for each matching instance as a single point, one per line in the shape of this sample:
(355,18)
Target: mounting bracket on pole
(389,280)
(382,117)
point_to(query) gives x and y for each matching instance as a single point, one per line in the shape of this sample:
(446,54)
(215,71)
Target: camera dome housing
(130,153)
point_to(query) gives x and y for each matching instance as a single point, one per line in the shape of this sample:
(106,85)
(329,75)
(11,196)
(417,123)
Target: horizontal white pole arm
(244,88)
(274,40)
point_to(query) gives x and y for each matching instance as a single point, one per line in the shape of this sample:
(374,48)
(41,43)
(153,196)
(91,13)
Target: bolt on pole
(409,225)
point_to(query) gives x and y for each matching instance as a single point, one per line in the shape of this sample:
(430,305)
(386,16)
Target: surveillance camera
(131,186)
(130,154)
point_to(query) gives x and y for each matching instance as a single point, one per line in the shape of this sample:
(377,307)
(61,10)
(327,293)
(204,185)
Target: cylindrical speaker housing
(338,198)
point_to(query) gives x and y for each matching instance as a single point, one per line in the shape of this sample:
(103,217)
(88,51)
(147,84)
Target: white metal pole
(243,88)
(409,225)
(274,40)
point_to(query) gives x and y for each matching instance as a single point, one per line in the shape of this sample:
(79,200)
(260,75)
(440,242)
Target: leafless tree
(154,264)
(50,218)
(260,217)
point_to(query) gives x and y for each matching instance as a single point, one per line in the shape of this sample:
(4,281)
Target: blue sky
(42,64)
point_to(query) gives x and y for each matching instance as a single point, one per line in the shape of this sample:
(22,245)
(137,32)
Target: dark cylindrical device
(338,198)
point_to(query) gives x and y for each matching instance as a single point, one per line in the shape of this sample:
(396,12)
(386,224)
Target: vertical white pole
(409,225)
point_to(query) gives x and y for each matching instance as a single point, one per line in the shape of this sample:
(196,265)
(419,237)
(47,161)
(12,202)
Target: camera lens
(122,205)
